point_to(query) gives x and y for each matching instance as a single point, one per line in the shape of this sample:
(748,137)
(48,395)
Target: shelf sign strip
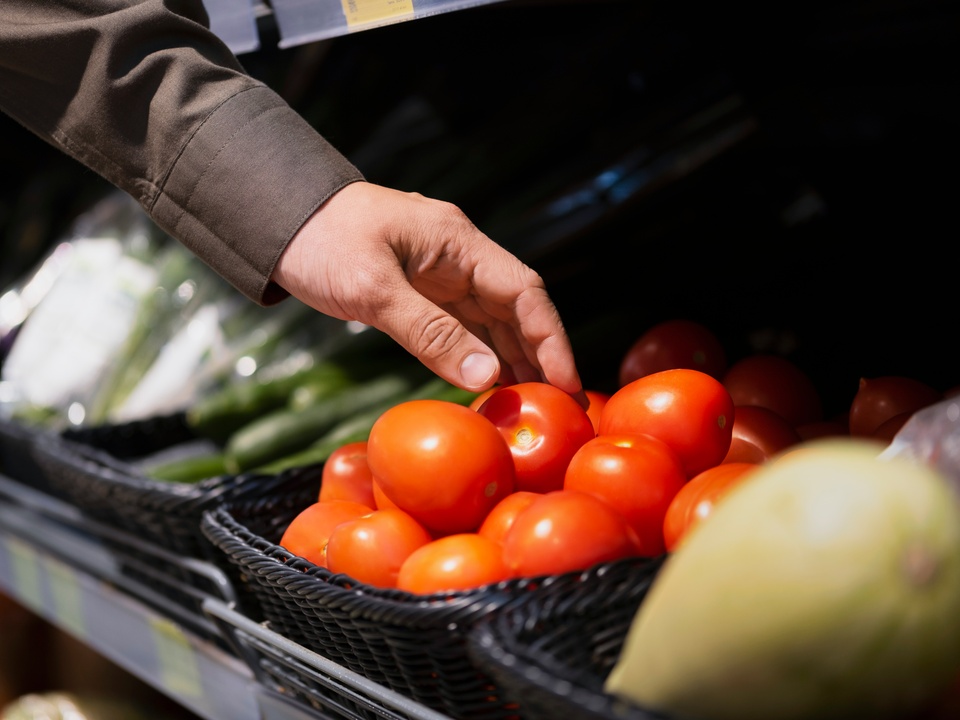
(361,12)
(176,661)
(67,597)
(25,569)
(235,22)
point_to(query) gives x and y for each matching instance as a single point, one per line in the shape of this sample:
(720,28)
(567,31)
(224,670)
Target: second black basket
(553,654)
(415,645)
(95,469)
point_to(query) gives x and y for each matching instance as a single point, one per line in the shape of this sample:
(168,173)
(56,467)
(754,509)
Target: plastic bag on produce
(71,315)
(932,436)
(113,325)
(121,322)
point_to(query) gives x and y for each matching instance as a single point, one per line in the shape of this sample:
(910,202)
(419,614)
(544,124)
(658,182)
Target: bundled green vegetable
(357,426)
(287,430)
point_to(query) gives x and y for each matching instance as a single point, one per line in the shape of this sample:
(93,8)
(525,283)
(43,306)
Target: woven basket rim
(110,470)
(280,568)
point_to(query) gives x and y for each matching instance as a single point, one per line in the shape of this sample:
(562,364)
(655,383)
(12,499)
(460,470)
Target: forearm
(155,103)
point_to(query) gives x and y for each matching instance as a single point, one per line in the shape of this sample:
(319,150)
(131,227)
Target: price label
(25,566)
(360,12)
(177,663)
(67,597)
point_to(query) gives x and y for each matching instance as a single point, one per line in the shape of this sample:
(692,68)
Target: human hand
(420,271)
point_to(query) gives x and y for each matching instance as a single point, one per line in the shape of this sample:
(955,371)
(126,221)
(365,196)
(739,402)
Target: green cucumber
(287,430)
(357,426)
(217,416)
(352,429)
(189,469)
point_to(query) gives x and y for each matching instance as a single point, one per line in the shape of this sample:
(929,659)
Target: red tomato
(689,410)
(381,501)
(308,532)
(678,343)
(696,500)
(758,434)
(455,562)
(501,517)
(636,474)
(441,462)
(880,398)
(777,383)
(346,475)
(543,426)
(597,400)
(372,548)
(482,398)
(566,530)
(888,429)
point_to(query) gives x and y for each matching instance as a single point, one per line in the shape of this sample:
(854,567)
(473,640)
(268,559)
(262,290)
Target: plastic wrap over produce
(932,436)
(120,322)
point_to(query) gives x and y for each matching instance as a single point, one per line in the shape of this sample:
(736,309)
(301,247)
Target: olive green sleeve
(141,92)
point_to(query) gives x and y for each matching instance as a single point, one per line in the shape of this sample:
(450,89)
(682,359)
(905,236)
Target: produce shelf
(197,649)
(303,21)
(285,666)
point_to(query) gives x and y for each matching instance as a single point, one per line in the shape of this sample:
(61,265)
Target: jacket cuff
(250,176)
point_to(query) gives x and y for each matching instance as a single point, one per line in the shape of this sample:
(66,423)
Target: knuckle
(437,335)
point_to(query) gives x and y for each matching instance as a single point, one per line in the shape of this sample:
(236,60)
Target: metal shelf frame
(198,650)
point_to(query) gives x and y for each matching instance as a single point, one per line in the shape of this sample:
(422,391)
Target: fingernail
(477,369)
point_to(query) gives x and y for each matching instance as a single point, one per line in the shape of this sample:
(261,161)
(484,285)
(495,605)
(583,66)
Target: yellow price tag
(177,662)
(67,598)
(359,12)
(25,564)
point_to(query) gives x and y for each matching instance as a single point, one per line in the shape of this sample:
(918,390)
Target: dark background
(785,175)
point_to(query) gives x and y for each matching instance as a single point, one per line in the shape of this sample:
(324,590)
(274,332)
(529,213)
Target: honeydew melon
(826,586)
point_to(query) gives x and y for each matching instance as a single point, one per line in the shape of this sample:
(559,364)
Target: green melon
(827,586)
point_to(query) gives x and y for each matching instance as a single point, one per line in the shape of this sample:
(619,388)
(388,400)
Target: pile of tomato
(527,482)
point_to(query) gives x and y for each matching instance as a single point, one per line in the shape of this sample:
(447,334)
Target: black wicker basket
(94,469)
(16,454)
(553,654)
(412,644)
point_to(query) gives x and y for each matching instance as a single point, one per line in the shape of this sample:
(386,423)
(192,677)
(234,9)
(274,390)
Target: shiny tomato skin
(689,410)
(880,398)
(889,428)
(481,398)
(776,383)
(639,475)
(308,532)
(452,563)
(501,517)
(372,548)
(346,475)
(696,500)
(381,501)
(676,343)
(758,434)
(597,400)
(563,531)
(441,462)
(543,426)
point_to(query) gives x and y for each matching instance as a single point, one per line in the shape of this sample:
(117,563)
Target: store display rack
(304,21)
(170,621)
